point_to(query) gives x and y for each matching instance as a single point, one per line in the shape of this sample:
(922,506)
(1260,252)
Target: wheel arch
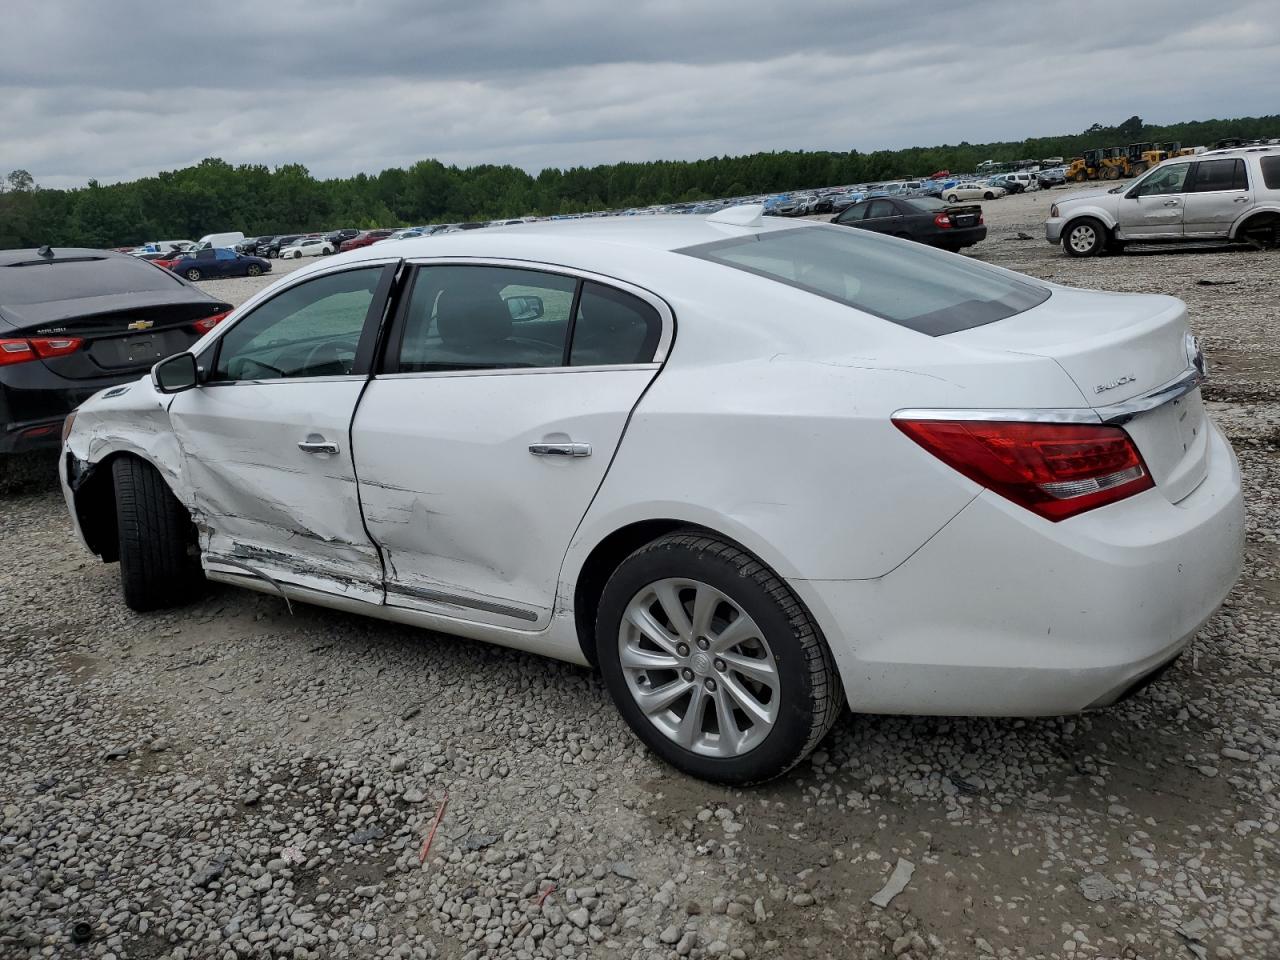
(93,493)
(1266,216)
(611,550)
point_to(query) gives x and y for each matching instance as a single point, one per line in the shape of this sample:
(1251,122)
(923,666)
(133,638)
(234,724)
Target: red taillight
(208,323)
(942,220)
(981,220)
(37,348)
(1056,470)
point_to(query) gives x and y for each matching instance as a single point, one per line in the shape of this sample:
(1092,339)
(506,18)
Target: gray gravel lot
(230,781)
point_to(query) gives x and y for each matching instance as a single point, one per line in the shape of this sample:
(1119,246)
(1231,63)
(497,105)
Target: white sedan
(751,469)
(307,247)
(972,191)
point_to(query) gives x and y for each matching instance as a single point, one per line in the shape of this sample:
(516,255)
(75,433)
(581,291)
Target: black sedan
(219,262)
(75,321)
(922,219)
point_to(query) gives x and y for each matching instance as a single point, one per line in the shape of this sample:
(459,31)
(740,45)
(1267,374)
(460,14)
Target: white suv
(1219,195)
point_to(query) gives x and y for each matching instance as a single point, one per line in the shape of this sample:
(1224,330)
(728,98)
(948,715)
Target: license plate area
(139,349)
(1173,440)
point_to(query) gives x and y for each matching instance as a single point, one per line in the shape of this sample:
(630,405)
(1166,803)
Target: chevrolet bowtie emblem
(142,325)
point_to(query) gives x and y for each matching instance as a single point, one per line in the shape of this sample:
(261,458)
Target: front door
(1216,197)
(1153,207)
(505,394)
(266,437)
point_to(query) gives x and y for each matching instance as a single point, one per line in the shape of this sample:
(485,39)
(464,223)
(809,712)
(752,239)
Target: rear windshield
(926,204)
(911,285)
(28,283)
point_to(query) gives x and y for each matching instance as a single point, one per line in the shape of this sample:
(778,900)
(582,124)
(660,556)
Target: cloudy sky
(120,89)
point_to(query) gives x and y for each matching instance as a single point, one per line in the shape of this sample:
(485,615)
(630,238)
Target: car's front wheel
(193,274)
(159,557)
(254,270)
(952,198)
(713,661)
(1084,238)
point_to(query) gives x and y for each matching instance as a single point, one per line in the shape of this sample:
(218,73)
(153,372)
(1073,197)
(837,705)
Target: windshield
(908,284)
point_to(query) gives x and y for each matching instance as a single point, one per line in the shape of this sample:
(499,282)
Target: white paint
(770,423)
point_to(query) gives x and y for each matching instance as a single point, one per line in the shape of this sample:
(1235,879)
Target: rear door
(504,395)
(266,436)
(882,217)
(1153,207)
(1218,192)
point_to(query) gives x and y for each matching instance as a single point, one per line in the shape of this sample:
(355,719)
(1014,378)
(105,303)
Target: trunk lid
(1115,348)
(964,215)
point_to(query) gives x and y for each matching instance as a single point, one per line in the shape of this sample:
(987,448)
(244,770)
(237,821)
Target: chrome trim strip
(1007,415)
(453,600)
(1114,414)
(513,371)
(1125,410)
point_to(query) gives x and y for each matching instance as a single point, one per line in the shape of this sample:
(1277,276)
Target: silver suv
(1218,195)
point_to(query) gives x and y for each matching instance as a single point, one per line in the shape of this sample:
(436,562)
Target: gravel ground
(230,781)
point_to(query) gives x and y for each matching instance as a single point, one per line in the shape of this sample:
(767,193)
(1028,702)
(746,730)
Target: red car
(363,239)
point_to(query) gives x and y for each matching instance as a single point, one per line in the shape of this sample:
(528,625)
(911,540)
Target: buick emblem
(1112,384)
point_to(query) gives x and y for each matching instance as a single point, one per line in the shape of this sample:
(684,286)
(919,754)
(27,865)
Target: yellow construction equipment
(1141,157)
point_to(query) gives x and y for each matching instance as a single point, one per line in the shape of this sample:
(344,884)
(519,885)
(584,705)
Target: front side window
(310,330)
(1163,180)
(857,212)
(907,284)
(1213,175)
(485,318)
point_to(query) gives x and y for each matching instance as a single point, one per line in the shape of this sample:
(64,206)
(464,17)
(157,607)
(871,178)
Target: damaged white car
(751,469)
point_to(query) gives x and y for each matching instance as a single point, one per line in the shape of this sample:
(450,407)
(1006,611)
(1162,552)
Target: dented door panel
(262,504)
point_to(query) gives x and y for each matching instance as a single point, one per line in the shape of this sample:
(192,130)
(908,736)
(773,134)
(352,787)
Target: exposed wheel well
(599,566)
(95,502)
(1259,225)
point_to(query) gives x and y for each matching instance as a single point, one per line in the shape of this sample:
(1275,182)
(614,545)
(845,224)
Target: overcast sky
(116,90)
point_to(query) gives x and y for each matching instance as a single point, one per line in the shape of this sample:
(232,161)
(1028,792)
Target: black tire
(1089,241)
(159,560)
(811,696)
(952,199)
(1262,232)
(192,274)
(254,270)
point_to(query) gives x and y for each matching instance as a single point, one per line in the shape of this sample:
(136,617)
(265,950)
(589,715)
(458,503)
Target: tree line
(216,196)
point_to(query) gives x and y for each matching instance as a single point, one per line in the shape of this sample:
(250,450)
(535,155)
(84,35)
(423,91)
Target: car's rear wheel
(713,661)
(159,557)
(254,270)
(193,274)
(1085,237)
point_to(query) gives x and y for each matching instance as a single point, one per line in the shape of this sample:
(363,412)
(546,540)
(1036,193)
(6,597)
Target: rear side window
(907,284)
(55,280)
(880,209)
(1271,172)
(1214,175)
(613,327)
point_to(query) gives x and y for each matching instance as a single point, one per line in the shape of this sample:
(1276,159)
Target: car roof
(1266,148)
(662,232)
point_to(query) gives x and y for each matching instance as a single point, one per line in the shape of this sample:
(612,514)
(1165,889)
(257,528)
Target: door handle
(317,444)
(1240,200)
(1171,203)
(560,449)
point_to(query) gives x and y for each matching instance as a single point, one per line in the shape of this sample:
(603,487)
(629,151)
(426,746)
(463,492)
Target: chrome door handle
(1171,203)
(316,444)
(1240,200)
(560,449)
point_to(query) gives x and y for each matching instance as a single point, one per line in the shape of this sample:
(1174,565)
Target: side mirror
(175,374)
(525,308)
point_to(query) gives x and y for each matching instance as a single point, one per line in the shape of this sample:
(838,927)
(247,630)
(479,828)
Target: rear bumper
(34,402)
(1053,229)
(1004,614)
(959,236)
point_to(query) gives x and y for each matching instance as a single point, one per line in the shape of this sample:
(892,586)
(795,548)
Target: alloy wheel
(1082,238)
(699,667)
